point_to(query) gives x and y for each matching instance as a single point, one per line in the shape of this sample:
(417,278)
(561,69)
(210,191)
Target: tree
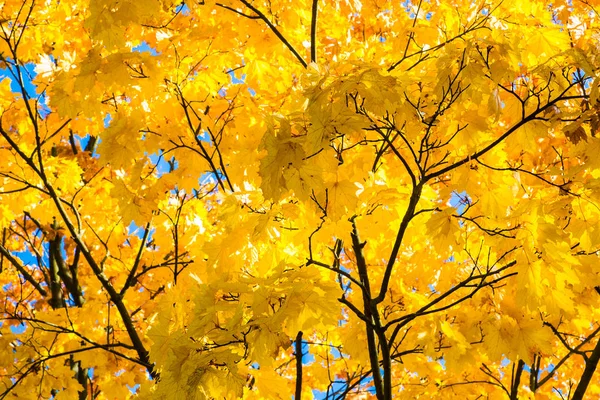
(247,199)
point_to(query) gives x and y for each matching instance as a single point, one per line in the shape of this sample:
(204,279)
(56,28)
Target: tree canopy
(262,199)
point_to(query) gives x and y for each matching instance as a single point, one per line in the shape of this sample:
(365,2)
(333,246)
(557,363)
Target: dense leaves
(266,199)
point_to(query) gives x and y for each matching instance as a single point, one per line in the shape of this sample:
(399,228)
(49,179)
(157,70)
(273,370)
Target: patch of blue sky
(406,4)
(336,353)
(442,362)
(162,164)
(457,200)
(432,287)
(27,257)
(580,76)
(234,79)
(63,251)
(336,387)
(107,120)
(182,9)
(28,74)
(18,329)
(371,388)
(145,48)
(204,136)
(82,140)
(38,233)
(209,179)
(428,16)
(70,300)
(133,389)
(307,357)
(549,368)
(138,231)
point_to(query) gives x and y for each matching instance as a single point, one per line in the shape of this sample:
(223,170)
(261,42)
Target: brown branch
(476,382)
(590,367)
(336,270)
(425,310)
(238,11)
(74,231)
(276,32)
(486,370)
(195,129)
(408,216)
(34,365)
(28,277)
(113,294)
(355,310)
(506,134)
(131,277)
(57,298)
(68,275)
(563,187)
(361,264)
(313,31)
(575,350)
(516,380)
(298,392)
(423,53)
(216,143)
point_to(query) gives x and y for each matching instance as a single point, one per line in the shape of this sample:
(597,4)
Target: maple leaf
(443,228)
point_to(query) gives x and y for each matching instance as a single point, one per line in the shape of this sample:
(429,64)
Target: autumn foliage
(320,199)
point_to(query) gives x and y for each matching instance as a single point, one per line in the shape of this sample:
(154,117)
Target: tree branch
(313,31)
(298,392)
(408,215)
(506,134)
(276,32)
(516,380)
(590,367)
(361,264)
(131,277)
(113,294)
(28,277)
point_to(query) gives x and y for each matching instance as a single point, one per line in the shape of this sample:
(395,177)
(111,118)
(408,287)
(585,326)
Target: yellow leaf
(443,228)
